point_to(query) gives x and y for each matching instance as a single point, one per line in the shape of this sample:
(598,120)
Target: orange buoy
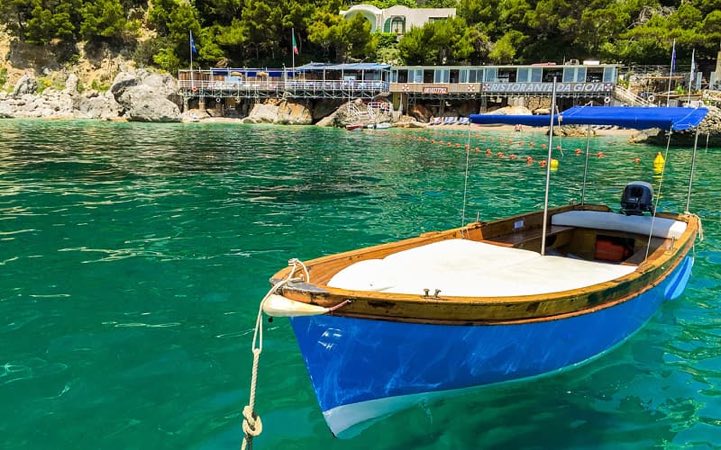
(499,154)
(529,159)
(488,152)
(578,151)
(542,163)
(637,160)
(600,155)
(512,156)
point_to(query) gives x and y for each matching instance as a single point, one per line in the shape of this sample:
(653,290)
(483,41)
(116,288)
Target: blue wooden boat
(384,327)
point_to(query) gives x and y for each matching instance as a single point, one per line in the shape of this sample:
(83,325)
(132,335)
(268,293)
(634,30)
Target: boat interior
(585,245)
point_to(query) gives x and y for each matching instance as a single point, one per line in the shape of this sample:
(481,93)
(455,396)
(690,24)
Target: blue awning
(314,67)
(637,117)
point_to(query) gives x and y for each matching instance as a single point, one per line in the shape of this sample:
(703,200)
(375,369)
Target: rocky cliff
(137,95)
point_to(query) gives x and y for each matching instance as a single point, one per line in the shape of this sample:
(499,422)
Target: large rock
(324,108)
(143,105)
(25,85)
(71,84)
(420,112)
(147,97)
(96,106)
(280,112)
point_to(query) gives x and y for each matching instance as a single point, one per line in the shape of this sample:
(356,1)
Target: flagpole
(190,43)
(690,77)
(670,73)
(292,40)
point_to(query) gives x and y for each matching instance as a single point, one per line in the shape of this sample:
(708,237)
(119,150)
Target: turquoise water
(133,258)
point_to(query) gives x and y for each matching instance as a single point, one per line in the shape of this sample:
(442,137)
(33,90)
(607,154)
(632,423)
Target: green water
(133,257)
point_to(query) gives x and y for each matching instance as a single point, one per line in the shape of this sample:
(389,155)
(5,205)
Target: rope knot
(252,425)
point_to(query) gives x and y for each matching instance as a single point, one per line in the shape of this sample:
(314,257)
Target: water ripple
(134,256)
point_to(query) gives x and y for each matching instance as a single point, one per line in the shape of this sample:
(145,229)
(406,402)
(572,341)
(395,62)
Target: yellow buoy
(554,164)
(658,163)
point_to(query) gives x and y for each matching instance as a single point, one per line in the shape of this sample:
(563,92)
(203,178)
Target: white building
(397,19)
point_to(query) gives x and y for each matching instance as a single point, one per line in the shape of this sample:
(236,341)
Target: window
(415,76)
(536,75)
(491,74)
(463,76)
(609,74)
(574,75)
(580,75)
(441,76)
(398,25)
(394,76)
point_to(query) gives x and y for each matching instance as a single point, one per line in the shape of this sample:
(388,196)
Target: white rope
(658,194)
(700,225)
(465,181)
(252,425)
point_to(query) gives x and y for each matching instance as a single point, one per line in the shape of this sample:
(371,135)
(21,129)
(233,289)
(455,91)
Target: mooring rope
(658,194)
(252,425)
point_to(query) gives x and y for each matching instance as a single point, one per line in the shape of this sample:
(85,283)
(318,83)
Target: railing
(626,96)
(272,85)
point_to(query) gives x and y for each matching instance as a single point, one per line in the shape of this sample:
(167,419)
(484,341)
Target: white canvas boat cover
(602,220)
(460,267)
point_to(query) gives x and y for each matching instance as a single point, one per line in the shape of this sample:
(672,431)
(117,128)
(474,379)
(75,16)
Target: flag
(673,56)
(295,47)
(693,68)
(193,50)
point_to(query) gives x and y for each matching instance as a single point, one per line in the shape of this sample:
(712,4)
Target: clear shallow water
(133,257)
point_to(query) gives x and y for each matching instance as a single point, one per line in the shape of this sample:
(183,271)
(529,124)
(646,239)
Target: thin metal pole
(585,167)
(548,168)
(693,170)
(670,72)
(192,82)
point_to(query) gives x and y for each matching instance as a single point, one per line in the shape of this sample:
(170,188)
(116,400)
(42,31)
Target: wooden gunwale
(485,310)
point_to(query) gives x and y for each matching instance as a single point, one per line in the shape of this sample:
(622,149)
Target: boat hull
(362,368)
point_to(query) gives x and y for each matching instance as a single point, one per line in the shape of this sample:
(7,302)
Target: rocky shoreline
(145,96)
(137,95)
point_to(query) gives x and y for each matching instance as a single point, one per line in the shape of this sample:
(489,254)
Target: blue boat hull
(362,369)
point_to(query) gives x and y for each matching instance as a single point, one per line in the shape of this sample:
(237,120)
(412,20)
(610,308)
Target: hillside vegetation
(258,32)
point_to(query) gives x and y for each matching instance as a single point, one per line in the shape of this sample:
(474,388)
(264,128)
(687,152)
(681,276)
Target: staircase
(627,97)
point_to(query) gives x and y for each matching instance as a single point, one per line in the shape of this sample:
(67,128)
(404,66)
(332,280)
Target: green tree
(441,42)
(504,50)
(103,18)
(52,19)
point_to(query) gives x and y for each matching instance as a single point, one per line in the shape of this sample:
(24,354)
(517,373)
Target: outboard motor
(637,198)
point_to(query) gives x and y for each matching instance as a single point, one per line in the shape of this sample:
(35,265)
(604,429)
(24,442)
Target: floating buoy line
(514,149)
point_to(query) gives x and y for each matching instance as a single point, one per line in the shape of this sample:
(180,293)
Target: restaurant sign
(435,90)
(547,88)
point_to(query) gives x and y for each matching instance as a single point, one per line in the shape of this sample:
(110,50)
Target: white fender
(279,306)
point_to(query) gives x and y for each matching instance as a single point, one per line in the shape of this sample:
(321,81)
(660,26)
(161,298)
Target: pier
(311,81)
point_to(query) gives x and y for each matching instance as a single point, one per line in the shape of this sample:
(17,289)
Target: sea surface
(133,258)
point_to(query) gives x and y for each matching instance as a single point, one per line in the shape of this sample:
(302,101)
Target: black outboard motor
(637,198)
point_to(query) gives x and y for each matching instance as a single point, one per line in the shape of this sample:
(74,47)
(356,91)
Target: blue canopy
(637,117)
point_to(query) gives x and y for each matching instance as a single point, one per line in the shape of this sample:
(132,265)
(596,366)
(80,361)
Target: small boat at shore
(384,327)
(379,126)
(354,126)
